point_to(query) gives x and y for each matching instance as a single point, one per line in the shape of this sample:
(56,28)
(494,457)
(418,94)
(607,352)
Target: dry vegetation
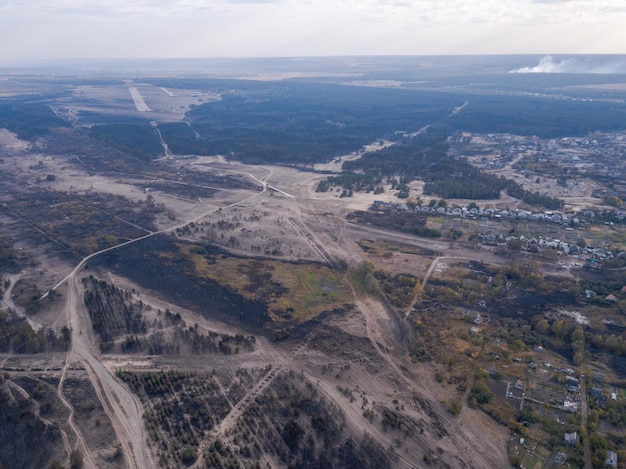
(255,326)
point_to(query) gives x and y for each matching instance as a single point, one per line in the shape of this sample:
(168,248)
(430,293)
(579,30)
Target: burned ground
(154,266)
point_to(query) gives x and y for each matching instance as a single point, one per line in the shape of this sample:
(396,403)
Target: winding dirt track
(70,419)
(458,434)
(118,403)
(123,408)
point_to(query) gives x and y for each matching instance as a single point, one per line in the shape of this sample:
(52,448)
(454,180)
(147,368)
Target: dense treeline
(409,222)
(478,185)
(136,139)
(461,188)
(532,198)
(546,118)
(27,119)
(111,310)
(183,140)
(17,336)
(8,256)
(409,159)
(185,340)
(304,123)
(425,157)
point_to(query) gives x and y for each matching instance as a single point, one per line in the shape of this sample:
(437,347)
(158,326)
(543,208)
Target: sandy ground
(299,216)
(11,144)
(309,226)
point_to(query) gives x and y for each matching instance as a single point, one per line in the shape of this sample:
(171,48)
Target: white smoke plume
(602,65)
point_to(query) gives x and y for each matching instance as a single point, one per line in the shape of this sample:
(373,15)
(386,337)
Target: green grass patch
(531,461)
(292,292)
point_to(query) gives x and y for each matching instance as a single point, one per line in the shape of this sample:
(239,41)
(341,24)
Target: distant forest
(533,115)
(28,118)
(303,123)
(294,122)
(425,157)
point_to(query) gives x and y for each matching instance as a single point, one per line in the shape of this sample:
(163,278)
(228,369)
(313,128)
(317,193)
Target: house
(611,297)
(571,438)
(597,393)
(474,330)
(611,459)
(570,406)
(571,383)
(560,458)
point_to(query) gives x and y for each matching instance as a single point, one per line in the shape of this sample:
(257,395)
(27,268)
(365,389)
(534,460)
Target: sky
(108,29)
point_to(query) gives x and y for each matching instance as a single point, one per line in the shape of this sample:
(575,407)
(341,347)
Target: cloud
(207,28)
(252,1)
(549,64)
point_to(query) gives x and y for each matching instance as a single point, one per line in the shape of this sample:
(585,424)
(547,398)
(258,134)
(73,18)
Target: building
(597,393)
(560,458)
(571,383)
(570,406)
(611,459)
(571,438)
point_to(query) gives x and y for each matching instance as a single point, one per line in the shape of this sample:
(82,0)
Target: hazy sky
(44,29)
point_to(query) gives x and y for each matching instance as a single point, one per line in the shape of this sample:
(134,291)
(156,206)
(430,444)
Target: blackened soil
(155,264)
(529,304)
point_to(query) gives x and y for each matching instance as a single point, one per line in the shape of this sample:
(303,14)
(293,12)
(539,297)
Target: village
(599,154)
(572,227)
(553,395)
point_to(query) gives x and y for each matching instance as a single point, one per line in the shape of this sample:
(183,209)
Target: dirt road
(123,408)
